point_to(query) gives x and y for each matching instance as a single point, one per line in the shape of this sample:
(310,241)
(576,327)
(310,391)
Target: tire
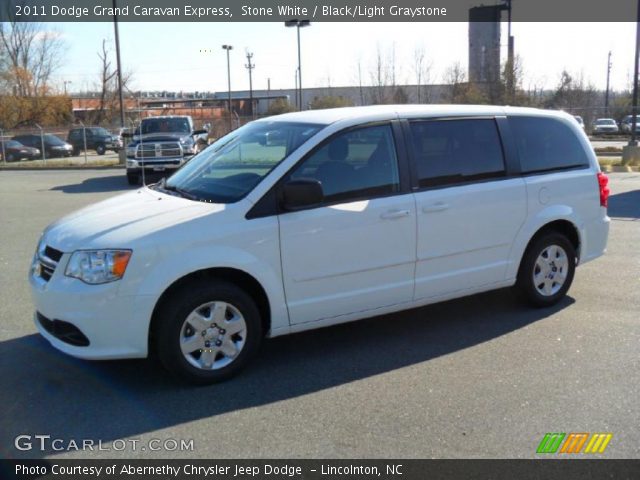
(207,363)
(100,149)
(11,157)
(547,270)
(133,179)
(76,152)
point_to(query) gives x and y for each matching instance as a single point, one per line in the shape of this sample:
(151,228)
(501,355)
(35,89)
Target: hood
(124,220)
(161,137)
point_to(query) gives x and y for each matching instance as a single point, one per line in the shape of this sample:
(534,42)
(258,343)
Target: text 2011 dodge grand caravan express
(315,218)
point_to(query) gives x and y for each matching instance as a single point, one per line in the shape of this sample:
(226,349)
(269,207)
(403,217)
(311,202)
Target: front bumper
(115,325)
(136,166)
(60,153)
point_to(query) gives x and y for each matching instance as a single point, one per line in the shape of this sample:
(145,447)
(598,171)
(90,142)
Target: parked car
(97,138)
(15,151)
(162,144)
(53,146)
(604,126)
(579,120)
(625,124)
(315,218)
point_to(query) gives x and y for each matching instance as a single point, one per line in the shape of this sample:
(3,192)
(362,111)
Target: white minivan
(315,218)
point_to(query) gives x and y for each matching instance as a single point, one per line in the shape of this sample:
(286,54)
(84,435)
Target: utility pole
(268,93)
(510,56)
(634,110)
(631,152)
(606,95)
(360,84)
(119,64)
(249,66)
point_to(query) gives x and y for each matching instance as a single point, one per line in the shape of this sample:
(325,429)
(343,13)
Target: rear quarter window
(546,144)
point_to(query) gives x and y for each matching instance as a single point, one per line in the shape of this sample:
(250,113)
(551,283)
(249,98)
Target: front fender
(172,269)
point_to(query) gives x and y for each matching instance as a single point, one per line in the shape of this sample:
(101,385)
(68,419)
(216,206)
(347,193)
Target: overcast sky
(167,56)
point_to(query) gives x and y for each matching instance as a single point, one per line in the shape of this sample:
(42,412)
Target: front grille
(52,253)
(48,259)
(64,331)
(158,150)
(158,163)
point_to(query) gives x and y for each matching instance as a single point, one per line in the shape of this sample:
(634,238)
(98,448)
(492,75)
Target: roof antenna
(140,146)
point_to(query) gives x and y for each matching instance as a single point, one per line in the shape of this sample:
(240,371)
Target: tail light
(603,184)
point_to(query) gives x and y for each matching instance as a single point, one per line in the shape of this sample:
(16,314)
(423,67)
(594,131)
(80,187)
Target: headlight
(98,266)
(187,144)
(131,151)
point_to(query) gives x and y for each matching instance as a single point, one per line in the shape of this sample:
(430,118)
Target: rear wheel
(133,179)
(547,270)
(11,157)
(208,332)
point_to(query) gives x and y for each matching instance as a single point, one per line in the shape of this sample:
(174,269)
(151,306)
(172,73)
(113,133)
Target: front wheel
(100,149)
(208,332)
(132,179)
(547,270)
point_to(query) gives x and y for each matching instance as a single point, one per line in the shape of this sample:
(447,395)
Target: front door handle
(435,207)
(392,214)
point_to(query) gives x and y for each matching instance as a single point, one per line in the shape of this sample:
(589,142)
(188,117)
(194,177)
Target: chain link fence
(78,143)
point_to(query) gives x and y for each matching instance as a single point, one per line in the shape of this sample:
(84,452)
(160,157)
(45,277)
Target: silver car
(604,126)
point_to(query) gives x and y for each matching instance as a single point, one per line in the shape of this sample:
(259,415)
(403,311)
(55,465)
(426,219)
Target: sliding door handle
(435,207)
(392,214)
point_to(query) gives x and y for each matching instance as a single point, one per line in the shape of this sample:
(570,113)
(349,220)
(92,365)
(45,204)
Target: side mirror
(301,193)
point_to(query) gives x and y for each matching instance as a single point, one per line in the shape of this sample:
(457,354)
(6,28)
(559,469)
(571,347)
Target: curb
(619,169)
(65,167)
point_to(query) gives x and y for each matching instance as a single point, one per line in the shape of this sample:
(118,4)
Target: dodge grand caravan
(310,219)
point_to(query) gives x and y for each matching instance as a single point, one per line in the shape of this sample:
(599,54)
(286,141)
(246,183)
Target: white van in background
(310,219)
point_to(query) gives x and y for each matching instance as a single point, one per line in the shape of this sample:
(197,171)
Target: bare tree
(422,72)
(460,90)
(380,79)
(30,56)
(108,87)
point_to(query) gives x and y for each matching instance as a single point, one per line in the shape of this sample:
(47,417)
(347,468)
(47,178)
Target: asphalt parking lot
(481,377)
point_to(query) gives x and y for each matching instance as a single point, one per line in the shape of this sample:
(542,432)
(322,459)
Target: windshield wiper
(180,192)
(162,185)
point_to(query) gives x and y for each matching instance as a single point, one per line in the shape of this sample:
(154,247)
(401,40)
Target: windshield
(605,121)
(52,140)
(161,125)
(101,131)
(229,169)
(13,144)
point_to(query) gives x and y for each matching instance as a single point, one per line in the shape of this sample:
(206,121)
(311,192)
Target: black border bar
(313,10)
(399,469)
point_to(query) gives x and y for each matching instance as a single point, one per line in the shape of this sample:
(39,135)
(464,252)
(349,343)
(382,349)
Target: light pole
(66,82)
(119,64)
(228,48)
(298,24)
(634,108)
